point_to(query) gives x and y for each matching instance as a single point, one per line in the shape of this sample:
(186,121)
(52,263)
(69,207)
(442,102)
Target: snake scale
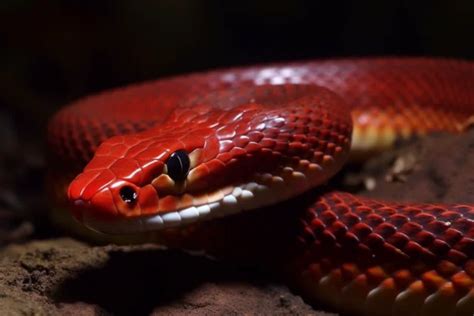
(178,157)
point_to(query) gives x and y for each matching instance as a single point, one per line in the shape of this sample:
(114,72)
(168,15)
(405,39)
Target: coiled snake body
(168,156)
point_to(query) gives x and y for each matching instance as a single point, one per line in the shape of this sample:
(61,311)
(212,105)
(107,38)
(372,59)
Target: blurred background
(54,51)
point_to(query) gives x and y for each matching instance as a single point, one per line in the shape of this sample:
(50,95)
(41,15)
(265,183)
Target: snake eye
(128,194)
(178,165)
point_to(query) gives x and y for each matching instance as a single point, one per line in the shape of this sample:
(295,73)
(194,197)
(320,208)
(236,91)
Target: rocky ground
(44,272)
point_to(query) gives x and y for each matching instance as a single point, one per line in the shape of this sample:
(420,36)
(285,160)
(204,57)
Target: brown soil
(45,273)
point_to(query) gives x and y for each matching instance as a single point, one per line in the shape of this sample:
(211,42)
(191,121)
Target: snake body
(171,154)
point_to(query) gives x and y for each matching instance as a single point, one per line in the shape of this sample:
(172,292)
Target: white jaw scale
(241,198)
(264,190)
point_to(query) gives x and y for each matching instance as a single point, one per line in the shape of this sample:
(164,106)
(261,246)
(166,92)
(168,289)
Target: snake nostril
(128,194)
(78,207)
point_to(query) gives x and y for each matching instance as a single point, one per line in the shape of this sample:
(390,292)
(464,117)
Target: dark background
(55,51)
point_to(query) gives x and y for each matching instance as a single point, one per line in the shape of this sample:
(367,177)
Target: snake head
(207,161)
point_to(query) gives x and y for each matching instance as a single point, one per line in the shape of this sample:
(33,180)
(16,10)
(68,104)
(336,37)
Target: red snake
(166,156)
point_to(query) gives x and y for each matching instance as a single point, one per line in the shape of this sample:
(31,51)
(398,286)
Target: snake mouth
(262,190)
(240,198)
(259,190)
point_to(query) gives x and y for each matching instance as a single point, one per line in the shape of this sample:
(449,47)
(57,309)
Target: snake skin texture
(259,136)
(369,256)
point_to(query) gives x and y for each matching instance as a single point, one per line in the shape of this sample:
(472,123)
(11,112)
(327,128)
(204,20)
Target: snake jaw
(262,189)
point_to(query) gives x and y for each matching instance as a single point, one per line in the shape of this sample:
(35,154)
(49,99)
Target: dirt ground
(45,272)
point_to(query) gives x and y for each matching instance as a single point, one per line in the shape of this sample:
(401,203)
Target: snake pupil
(128,195)
(178,165)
